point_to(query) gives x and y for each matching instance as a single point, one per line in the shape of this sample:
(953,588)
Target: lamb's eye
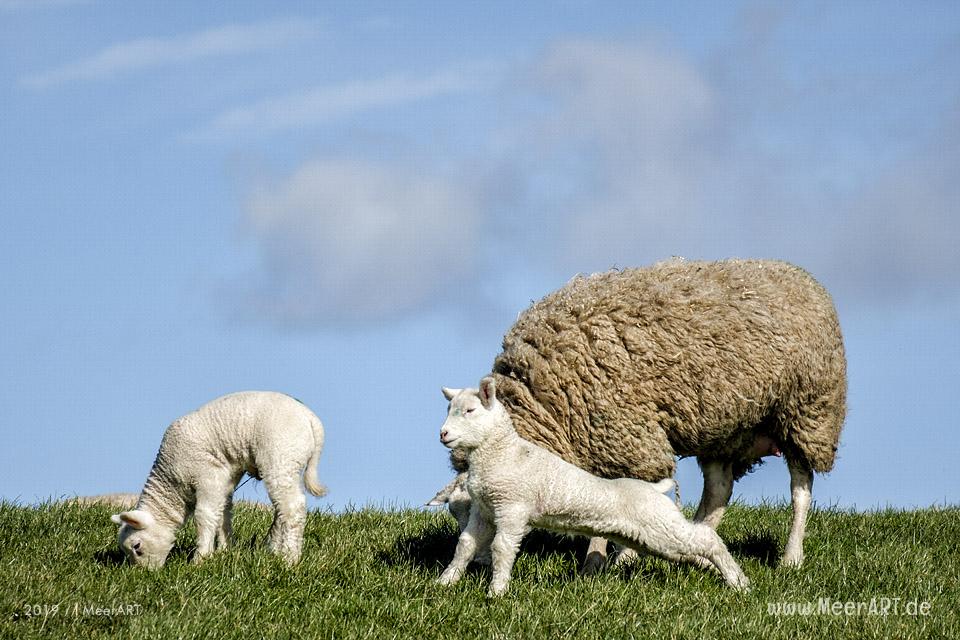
(470,410)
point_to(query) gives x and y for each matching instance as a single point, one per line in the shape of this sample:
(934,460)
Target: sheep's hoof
(593,563)
(792,560)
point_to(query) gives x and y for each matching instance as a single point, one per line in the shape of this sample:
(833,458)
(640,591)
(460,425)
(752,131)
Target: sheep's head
(144,541)
(472,416)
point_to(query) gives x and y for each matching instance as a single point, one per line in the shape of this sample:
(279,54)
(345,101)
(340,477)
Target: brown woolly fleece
(619,372)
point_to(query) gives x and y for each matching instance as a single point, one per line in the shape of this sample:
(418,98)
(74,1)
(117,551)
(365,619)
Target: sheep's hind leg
(717,489)
(290,515)
(801,485)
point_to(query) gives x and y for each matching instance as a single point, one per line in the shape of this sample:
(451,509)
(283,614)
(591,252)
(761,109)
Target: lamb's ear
(138,519)
(448,393)
(488,392)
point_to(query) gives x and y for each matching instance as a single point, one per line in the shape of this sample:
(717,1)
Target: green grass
(370,574)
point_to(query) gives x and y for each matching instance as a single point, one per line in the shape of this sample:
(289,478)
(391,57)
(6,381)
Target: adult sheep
(620,372)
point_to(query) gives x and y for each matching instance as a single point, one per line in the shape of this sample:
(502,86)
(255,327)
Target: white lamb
(202,457)
(516,485)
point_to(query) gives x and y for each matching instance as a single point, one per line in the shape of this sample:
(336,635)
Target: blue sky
(351,202)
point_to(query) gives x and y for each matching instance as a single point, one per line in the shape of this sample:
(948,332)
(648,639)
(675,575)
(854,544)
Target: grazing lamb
(202,457)
(620,372)
(516,485)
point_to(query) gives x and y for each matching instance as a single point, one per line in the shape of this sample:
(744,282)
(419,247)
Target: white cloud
(348,241)
(638,153)
(153,52)
(902,231)
(624,133)
(322,104)
(619,155)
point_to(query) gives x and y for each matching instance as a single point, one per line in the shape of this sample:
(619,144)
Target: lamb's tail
(310,480)
(666,485)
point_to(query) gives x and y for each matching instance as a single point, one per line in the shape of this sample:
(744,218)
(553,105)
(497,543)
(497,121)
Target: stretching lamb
(516,485)
(202,457)
(620,372)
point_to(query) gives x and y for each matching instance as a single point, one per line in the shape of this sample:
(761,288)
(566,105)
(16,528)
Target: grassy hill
(369,574)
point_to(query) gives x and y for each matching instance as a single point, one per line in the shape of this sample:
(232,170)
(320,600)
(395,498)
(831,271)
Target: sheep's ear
(138,519)
(488,392)
(448,393)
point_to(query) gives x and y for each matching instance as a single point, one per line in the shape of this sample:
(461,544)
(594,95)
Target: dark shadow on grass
(432,550)
(113,556)
(110,557)
(643,571)
(762,547)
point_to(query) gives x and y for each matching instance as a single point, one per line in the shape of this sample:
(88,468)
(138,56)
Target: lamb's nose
(443,434)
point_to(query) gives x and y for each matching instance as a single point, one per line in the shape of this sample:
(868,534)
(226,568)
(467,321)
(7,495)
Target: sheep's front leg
(503,549)
(595,558)
(801,485)
(717,489)
(476,535)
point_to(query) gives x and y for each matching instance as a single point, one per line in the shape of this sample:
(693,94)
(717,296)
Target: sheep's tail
(310,480)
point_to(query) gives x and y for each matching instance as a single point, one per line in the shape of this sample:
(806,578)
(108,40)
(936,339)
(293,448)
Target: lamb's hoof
(446,579)
(495,591)
(741,584)
(624,555)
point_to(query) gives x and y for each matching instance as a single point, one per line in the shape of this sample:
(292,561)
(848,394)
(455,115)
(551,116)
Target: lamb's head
(144,541)
(473,416)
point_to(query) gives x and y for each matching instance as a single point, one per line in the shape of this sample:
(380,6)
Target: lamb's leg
(476,535)
(624,555)
(212,495)
(717,489)
(696,542)
(503,550)
(801,484)
(595,558)
(225,532)
(716,552)
(290,514)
